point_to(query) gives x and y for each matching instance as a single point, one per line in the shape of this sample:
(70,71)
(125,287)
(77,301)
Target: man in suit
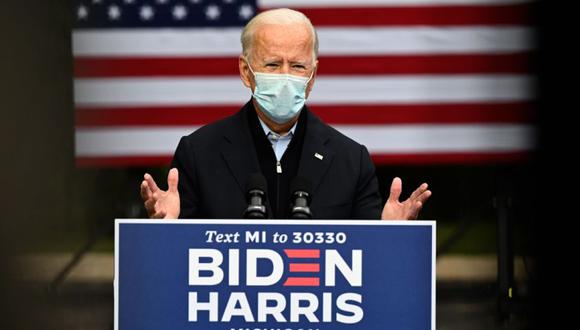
(276,135)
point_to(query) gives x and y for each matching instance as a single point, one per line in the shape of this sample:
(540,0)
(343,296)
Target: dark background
(45,198)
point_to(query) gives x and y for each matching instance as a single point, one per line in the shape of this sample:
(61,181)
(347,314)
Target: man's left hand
(408,209)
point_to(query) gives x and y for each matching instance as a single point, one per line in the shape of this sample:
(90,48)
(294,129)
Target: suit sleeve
(367,200)
(184,161)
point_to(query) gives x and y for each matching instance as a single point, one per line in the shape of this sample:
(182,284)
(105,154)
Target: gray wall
(36,164)
(37,118)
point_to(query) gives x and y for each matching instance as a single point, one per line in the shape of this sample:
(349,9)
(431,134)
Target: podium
(274,274)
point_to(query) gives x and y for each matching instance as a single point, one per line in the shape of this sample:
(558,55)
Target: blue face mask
(280,96)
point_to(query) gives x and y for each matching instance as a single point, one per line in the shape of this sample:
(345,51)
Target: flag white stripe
(333,41)
(398,139)
(128,141)
(404,139)
(368,3)
(421,40)
(386,89)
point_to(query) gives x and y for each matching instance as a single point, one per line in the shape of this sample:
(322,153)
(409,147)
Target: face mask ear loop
(253,73)
(311,75)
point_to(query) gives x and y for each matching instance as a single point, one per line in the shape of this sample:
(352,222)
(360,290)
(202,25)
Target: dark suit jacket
(215,161)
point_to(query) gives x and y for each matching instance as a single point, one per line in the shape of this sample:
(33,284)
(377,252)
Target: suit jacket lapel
(316,157)
(238,149)
(240,156)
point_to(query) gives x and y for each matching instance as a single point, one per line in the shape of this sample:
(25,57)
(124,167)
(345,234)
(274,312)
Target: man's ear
(312,80)
(245,73)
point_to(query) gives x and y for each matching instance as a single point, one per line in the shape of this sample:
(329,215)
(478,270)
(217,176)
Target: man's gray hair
(283,16)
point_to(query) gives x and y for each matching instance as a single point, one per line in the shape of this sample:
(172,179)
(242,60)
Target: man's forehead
(288,34)
(277,40)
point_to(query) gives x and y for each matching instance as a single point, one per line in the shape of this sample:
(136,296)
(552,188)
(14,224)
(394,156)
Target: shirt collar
(268,131)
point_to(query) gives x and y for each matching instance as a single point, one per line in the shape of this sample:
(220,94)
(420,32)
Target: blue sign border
(432,224)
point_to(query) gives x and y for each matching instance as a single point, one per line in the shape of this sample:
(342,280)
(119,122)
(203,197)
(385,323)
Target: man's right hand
(158,203)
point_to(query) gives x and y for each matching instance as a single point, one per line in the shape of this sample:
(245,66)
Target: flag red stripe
(515,14)
(378,159)
(481,113)
(299,253)
(329,65)
(88,67)
(450,158)
(123,161)
(304,268)
(302,281)
(152,116)
(331,114)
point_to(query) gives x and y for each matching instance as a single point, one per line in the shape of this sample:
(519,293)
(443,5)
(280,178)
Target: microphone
(300,194)
(256,189)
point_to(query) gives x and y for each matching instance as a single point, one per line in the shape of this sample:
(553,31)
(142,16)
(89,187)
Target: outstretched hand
(161,204)
(408,209)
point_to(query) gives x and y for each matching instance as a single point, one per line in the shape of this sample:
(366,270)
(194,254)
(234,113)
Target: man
(275,134)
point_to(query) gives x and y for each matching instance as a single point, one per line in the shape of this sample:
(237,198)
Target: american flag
(416,81)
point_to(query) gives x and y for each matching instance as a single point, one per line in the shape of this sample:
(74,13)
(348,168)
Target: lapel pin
(319,156)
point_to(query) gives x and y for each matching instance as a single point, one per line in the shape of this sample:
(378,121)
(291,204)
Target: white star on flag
(114,12)
(179,12)
(146,13)
(82,12)
(246,12)
(212,12)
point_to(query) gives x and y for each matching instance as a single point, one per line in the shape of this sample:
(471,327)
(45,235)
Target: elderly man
(275,134)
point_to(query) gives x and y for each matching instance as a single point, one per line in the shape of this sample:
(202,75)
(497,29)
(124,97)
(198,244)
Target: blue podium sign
(274,274)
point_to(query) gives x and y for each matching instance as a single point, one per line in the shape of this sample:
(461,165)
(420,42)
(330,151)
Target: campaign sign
(274,275)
